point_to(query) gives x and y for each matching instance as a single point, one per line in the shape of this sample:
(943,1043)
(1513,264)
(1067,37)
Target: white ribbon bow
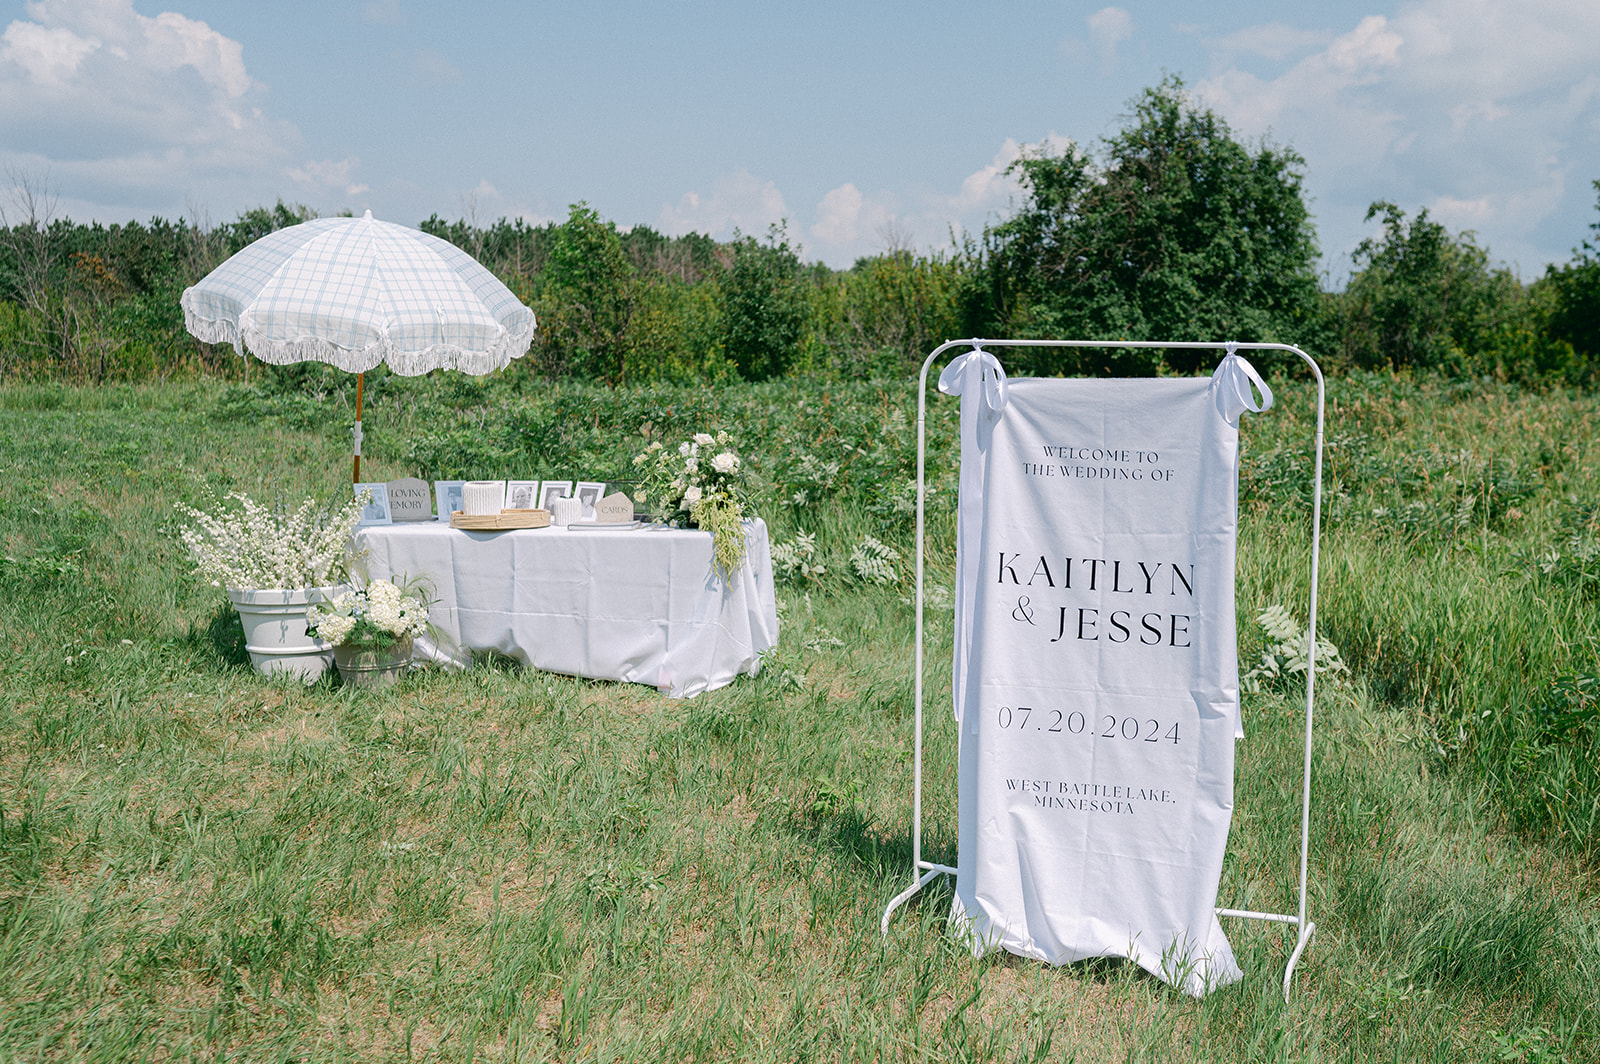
(1232,383)
(976,367)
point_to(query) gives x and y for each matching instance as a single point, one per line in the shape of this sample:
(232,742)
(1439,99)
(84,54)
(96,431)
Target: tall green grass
(196,862)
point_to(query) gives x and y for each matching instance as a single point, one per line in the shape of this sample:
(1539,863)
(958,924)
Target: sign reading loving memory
(1096,672)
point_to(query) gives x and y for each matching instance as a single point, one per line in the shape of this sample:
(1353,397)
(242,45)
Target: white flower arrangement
(244,545)
(376,616)
(701,494)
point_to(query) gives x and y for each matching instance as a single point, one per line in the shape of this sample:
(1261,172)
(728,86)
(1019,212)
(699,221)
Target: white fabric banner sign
(1096,669)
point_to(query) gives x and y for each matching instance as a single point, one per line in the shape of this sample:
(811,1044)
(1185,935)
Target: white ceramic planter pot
(274,622)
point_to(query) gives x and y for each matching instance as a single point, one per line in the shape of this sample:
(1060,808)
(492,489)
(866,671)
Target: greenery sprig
(700,485)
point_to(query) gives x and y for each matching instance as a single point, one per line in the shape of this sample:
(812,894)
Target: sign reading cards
(1096,672)
(614,509)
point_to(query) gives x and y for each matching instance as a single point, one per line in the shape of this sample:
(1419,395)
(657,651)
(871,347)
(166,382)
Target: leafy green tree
(676,335)
(690,258)
(765,305)
(256,223)
(588,299)
(1571,294)
(1422,297)
(884,314)
(1176,232)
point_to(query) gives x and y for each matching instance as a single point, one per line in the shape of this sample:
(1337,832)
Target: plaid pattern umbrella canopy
(356,293)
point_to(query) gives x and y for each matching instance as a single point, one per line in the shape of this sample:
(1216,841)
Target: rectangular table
(641,605)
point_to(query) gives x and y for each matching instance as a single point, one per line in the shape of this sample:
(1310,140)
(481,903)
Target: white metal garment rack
(923,872)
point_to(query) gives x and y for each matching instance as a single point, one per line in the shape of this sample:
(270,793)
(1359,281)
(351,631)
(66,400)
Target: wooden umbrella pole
(360,377)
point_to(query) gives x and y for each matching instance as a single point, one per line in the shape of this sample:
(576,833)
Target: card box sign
(1098,698)
(409,500)
(614,509)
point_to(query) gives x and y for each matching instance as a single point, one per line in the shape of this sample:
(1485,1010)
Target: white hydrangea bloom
(383,607)
(334,629)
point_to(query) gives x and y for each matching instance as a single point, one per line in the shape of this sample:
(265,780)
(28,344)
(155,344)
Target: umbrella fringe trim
(210,330)
(502,352)
(404,363)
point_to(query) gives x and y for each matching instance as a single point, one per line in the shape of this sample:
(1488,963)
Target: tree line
(1172,229)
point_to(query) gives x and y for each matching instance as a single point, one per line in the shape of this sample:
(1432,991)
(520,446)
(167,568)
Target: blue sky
(861,124)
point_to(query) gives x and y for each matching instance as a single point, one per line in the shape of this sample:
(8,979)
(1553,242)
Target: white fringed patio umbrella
(356,293)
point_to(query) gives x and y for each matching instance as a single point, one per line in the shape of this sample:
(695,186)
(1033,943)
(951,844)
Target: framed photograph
(522,494)
(554,489)
(377,511)
(447,495)
(589,492)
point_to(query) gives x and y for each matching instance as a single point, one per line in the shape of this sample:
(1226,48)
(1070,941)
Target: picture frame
(447,497)
(376,512)
(590,492)
(554,489)
(522,494)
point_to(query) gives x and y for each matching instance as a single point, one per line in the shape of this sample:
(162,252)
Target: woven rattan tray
(500,522)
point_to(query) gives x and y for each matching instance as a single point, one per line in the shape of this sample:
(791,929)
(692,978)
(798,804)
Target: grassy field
(196,863)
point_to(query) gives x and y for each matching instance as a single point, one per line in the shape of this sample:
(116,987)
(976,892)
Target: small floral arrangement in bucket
(243,544)
(700,484)
(373,617)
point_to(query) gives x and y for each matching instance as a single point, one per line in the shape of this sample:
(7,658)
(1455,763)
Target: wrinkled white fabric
(1100,696)
(979,380)
(642,605)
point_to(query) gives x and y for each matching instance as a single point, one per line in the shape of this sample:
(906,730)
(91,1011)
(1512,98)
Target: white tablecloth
(641,605)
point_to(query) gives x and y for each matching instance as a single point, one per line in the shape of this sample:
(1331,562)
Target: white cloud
(850,225)
(1273,40)
(48,56)
(1483,110)
(103,96)
(839,216)
(990,187)
(1109,27)
(329,175)
(383,13)
(430,67)
(739,200)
